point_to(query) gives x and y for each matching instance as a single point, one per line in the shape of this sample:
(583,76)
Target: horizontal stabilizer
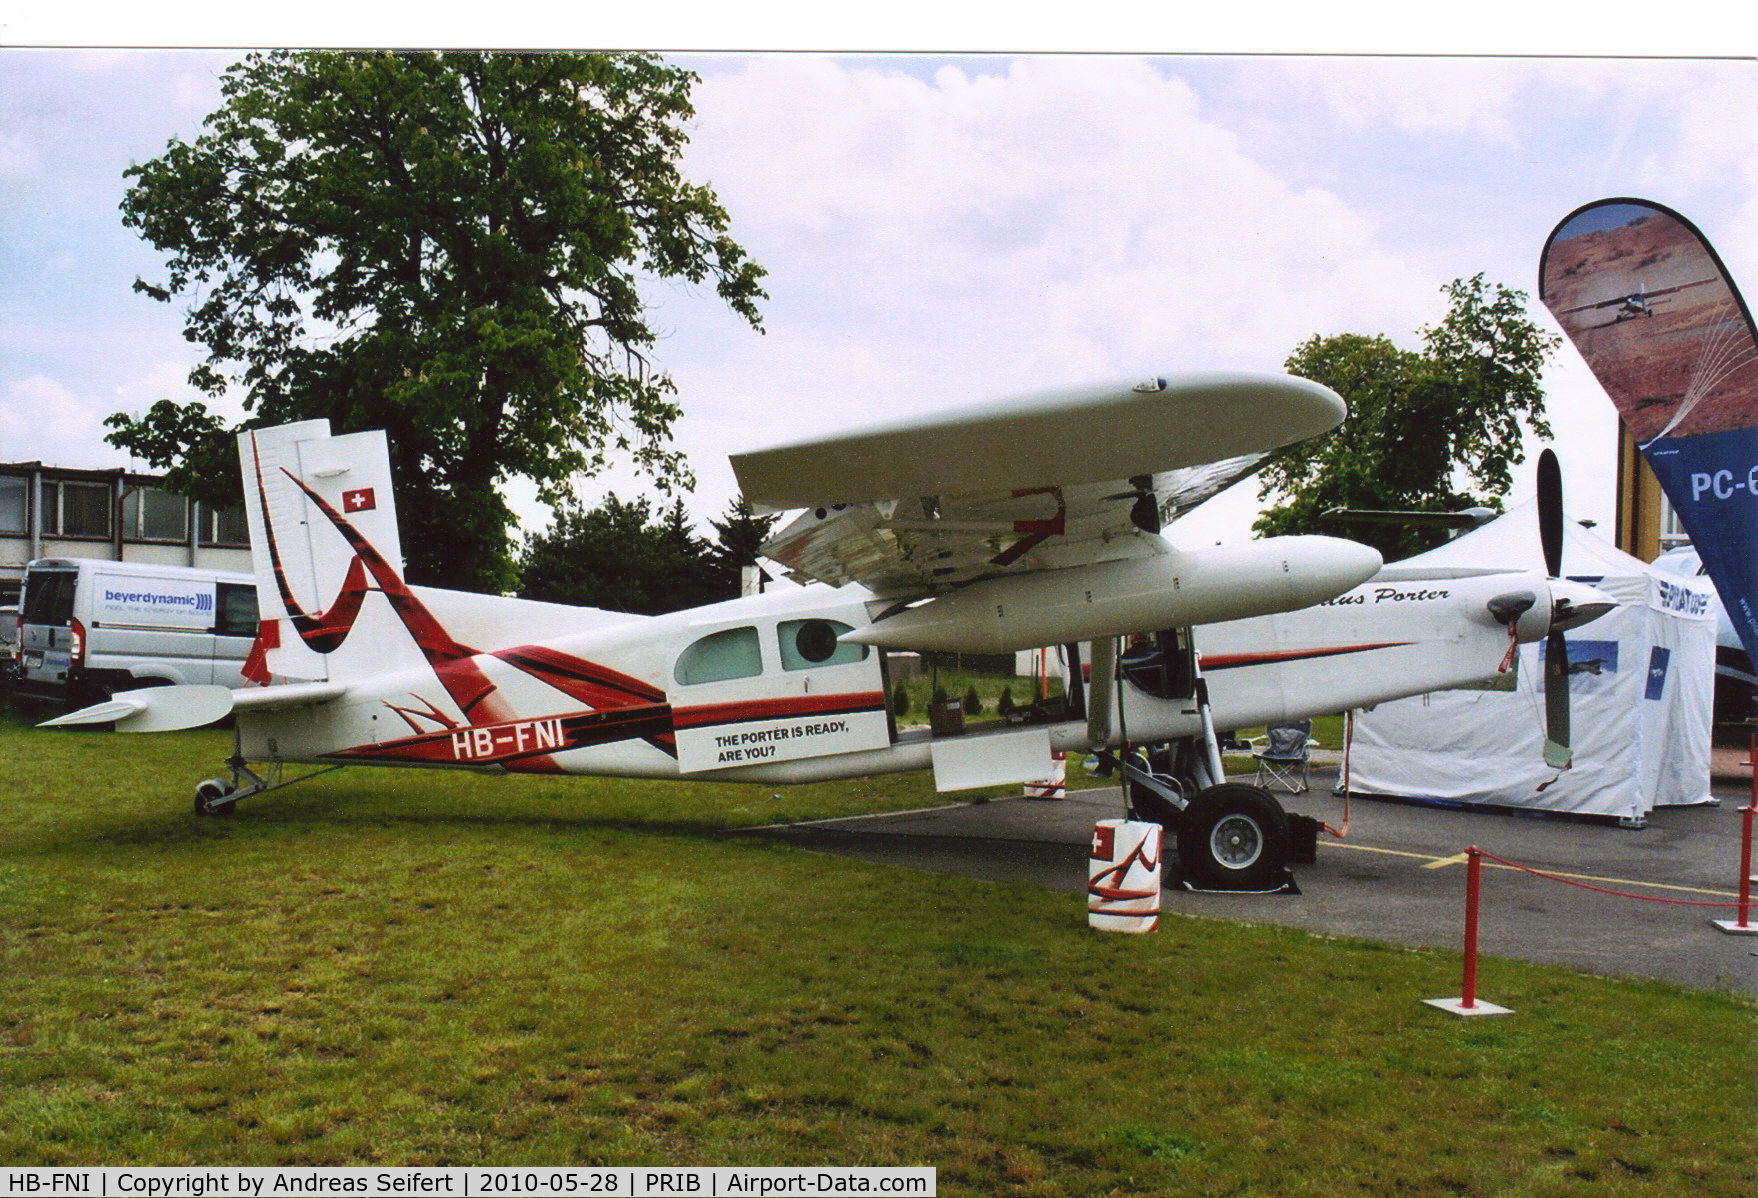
(153,709)
(293,694)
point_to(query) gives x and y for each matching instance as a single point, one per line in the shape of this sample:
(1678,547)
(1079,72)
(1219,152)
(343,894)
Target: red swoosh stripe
(1228,661)
(739,712)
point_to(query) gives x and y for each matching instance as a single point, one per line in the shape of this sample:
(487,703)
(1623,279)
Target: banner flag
(1649,305)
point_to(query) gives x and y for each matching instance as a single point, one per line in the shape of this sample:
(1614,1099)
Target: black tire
(210,798)
(1233,837)
(1150,806)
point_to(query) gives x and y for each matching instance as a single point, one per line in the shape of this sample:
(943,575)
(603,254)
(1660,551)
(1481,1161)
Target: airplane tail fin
(323,540)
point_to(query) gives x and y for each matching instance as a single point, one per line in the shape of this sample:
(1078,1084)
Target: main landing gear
(1230,836)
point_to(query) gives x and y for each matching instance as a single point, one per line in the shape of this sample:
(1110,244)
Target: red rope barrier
(1646,898)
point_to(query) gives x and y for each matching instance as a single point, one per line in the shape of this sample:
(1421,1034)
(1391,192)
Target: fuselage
(767,688)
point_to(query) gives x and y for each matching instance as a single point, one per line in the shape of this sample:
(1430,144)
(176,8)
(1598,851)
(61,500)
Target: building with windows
(49,511)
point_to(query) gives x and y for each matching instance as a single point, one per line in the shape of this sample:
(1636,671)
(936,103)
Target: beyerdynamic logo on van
(149,599)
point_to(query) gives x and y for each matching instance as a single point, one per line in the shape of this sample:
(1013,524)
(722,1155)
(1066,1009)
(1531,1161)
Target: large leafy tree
(447,246)
(1438,429)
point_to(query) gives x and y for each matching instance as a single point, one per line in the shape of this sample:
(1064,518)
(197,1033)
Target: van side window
(808,644)
(236,614)
(730,653)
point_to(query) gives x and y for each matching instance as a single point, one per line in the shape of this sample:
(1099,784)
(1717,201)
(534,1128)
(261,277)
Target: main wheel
(210,798)
(1233,837)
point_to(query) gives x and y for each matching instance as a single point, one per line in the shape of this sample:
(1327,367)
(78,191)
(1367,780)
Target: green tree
(446,246)
(1436,430)
(738,538)
(621,556)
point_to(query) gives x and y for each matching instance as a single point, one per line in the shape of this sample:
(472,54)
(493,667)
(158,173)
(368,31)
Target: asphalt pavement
(1399,876)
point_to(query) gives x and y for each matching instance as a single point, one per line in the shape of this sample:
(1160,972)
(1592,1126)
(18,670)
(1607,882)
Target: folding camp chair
(1282,757)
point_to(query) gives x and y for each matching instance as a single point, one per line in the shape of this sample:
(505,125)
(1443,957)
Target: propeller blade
(1471,517)
(1550,512)
(1557,754)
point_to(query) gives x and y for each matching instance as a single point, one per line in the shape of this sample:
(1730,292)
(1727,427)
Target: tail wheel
(1233,837)
(211,798)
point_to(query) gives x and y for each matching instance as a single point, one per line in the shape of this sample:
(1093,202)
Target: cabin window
(1160,664)
(808,644)
(719,656)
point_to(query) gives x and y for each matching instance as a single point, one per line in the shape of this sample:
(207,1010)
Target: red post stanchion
(1473,894)
(1743,925)
(1466,1003)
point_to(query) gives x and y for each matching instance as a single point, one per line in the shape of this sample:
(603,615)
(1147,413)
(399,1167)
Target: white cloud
(43,420)
(977,236)
(19,159)
(1474,96)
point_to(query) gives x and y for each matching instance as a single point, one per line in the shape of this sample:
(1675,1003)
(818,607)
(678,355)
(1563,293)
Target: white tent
(1640,723)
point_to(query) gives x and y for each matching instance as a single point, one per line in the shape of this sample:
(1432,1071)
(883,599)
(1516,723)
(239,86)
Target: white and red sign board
(1123,876)
(708,743)
(1055,784)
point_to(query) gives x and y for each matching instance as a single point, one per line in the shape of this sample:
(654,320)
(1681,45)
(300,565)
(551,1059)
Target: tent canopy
(1640,697)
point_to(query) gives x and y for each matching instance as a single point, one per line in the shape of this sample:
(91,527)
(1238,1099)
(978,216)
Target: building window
(1672,532)
(719,656)
(154,515)
(15,504)
(225,527)
(76,509)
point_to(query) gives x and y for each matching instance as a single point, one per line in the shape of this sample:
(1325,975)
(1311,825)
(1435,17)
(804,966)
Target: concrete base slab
(1733,927)
(1455,1006)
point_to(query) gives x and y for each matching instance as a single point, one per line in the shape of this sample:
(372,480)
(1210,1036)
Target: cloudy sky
(950,229)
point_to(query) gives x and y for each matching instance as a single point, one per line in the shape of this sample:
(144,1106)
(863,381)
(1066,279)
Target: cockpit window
(719,656)
(808,644)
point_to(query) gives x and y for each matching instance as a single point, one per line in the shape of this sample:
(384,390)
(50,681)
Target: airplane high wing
(1046,482)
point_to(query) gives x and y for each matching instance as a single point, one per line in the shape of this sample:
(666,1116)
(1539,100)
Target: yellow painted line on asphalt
(1433,862)
(1369,848)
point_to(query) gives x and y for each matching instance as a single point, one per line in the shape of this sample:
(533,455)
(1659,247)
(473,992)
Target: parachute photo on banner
(1647,302)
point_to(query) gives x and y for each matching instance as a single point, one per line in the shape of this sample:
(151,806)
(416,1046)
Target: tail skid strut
(216,796)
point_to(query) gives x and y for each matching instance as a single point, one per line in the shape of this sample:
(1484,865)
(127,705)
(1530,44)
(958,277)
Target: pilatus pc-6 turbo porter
(1024,524)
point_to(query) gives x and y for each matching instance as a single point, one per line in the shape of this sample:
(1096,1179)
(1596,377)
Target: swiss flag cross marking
(1104,843)
(358,501)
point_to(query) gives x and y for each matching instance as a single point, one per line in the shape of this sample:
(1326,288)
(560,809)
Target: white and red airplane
(1028,523)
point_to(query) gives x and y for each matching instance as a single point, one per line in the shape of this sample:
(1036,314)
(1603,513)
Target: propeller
(1556,654)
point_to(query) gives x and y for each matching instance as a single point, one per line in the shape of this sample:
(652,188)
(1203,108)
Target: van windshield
(48,596)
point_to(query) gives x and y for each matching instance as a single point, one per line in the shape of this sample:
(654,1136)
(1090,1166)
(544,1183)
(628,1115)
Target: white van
(89,628)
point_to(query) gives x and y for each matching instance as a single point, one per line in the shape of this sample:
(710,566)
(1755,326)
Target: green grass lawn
(436,968)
